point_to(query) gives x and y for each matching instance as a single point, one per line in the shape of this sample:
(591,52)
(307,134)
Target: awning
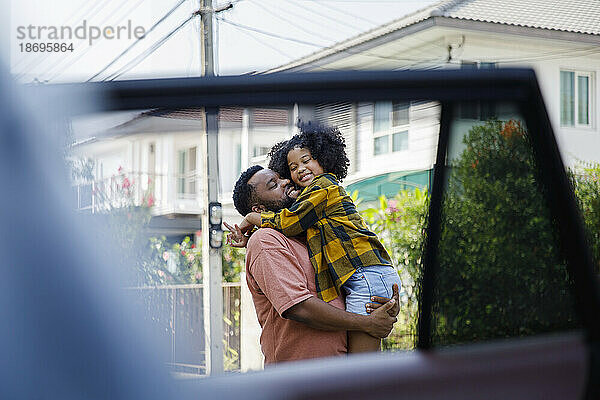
(389,184)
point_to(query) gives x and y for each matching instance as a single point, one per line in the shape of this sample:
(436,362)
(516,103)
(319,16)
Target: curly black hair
(326,145)
(243,192)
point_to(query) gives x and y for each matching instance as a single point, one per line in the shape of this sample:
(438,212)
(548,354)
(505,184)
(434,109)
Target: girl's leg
(361,342)
(364,283)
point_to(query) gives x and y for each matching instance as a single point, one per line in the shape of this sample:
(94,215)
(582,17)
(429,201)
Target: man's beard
(278,205)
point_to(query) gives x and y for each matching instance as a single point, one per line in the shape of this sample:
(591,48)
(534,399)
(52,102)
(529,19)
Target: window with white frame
(390,126)
(575,98)
(186,173)
(260,151)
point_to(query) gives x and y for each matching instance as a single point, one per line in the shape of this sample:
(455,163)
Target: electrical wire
(148,52)
(551,55)
(89,48)
(349,51)
(349,14)
(38,60)
(157,23)
(377,24)
(195,28)
(65,23)
(299,18)
(292,23)
(377,56)
(244,31)
(268,33)
(325,17)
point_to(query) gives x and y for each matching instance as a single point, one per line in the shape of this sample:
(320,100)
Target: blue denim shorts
(376,280)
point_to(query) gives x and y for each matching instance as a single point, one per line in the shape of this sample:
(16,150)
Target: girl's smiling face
(303,167)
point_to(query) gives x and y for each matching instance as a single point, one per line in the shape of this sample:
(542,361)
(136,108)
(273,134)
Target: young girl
(346,255)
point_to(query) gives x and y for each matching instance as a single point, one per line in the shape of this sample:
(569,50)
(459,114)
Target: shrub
(499,273)
(400,223)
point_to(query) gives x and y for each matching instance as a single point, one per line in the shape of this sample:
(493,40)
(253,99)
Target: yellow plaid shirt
(338,238)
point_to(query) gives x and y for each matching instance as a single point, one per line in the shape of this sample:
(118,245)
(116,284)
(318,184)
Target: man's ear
(258,208)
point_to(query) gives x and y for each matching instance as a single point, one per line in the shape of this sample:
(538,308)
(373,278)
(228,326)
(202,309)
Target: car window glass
(141,174)
(499,271)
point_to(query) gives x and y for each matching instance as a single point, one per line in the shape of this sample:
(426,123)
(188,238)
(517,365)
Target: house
(159,152)
(392,144)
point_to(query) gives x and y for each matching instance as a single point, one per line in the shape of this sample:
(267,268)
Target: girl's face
(303,168)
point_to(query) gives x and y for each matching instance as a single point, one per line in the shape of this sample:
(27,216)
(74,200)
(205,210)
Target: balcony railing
(165,191)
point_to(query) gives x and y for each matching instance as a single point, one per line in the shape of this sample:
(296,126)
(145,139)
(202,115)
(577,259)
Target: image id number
(46,47)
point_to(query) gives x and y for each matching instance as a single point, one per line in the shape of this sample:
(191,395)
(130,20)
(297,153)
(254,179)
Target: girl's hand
(236,238)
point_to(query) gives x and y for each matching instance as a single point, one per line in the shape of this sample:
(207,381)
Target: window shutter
(340,115)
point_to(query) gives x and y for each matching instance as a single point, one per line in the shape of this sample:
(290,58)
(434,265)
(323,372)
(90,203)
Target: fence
(177,313)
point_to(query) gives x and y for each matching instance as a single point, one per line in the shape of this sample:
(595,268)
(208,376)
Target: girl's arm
(251,220)
(304,213)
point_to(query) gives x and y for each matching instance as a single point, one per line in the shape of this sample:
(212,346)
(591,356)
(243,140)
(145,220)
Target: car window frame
(446,86)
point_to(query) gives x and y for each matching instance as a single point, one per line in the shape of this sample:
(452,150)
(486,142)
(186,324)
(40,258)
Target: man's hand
(379,301)
(381,322)
(236,238)
(317,314)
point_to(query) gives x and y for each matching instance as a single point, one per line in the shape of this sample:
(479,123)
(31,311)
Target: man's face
(272,192)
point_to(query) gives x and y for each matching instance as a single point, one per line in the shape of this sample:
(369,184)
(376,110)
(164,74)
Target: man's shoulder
(263,235)
(269,239)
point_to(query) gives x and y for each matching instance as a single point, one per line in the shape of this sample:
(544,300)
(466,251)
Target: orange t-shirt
(279,275)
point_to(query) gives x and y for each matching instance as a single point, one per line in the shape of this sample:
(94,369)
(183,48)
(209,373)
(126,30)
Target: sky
(254,35)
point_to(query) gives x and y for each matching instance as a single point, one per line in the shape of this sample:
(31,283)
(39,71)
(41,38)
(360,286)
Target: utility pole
(212,269)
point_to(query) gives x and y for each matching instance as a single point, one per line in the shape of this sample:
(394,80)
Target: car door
(507,295)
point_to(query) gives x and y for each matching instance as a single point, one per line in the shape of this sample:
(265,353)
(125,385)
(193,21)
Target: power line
(323,4)
(90,13)
(151,50)
(294,24)
(41,56)
(299,17)
(325,17)
(551,55)
(349,51)
(196,29)
(80,55)
(268,33)
(262,42)
(164,17)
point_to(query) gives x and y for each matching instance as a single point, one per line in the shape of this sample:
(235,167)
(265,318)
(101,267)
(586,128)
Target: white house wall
(422,142)
(575,143)
(548,58)
(477,42)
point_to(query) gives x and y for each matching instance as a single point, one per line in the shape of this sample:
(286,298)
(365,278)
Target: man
(295,323)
